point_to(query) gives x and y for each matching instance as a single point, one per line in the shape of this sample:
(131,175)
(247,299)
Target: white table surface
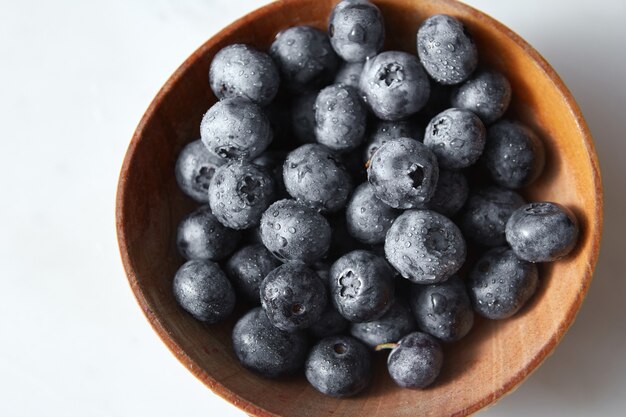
(75,78)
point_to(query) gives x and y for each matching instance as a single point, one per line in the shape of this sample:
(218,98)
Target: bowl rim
(253,409)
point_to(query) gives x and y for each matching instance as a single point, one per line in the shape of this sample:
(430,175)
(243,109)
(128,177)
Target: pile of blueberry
(325,202)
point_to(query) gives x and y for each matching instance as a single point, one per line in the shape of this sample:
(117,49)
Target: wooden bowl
(494,358)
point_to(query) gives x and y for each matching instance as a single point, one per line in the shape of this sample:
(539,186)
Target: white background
(75,78)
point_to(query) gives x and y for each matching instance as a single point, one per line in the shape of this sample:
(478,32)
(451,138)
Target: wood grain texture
(494,358)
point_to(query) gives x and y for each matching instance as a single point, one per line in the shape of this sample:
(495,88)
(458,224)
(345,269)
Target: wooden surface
(487,364)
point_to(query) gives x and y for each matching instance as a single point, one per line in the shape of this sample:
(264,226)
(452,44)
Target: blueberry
(385,131)
(397,322)
(514,154)
(457,137)
(339,366)
(416,361)
(404,173)
(202,289)
(195,167)
(304,57)
(243,71)
(425,247)
(487,93)
(239,194)
(201,236)
(316,177)
(542,232)
(356,30)
(265,349)
(235,128)
(294,232)
(446,49)
(368,218)
(361,286)
(293,296)
(349,74)
(486,212)
(443,310)
(450,194)
(248,267)
(500,283)
(340,118)
(330,323)
(394,85)
(303,117)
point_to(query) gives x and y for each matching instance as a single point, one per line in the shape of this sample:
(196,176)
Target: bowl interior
(494,358)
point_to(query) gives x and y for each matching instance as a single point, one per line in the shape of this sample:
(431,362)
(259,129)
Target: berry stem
(385,346)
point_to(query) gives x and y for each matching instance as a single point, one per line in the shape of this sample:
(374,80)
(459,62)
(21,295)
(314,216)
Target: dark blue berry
(239,194)
(457,137)
(349,74)
(394,85)
(416,361)
(293,296)
(446,49)
(367,217)
(443,310)
(514,155)
(542,232)
(235,128)
(425,247)
(385,131)
(265,349)
(304,57)
(487,93)
(361,286)
(314,176)
(294,232)
(404,173)
(340,118)
(248,267)
(243,71)
(356,29)
(451,193)
(486,212)
(397,322)
(195,167)
(339,366)
(202,289)
(201,236)
(500,283)
(303,116)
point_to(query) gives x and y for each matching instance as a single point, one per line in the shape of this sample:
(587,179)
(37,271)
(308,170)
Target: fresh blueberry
(265,349)
(368,218)
(356,30)
(394,85)
(425,247)
(443,310)
(243,71)
(293,296)
(201,236)
(349,74)
(446,49)
(339,366)
(294,232)
(303,117)
(316,177)
(361,286)
(340,118)
(397,322)
(416,361)
(195,167)
(542,232)
(404,173)
(486,212)
(239,194)
(457,137)
(202,289)
(514,155)
(385,131)
(272,162)
(487,93)
(330,323)
(304,57)
(451,193)
(235,128)
(500,283)
(248,267)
